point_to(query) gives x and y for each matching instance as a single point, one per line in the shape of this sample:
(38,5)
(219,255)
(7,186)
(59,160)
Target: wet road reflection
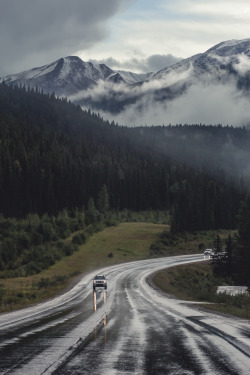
(94,295)
(104,294)
(132,329)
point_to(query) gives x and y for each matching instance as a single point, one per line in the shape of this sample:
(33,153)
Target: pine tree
(103,200)
(91,213)
(229,256)
(242,256)
(218,244)
(218,260)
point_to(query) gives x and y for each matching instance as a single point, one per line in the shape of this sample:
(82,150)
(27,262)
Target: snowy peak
(224,59)
(65,76)
(231,47)
(101,88)
(132,78)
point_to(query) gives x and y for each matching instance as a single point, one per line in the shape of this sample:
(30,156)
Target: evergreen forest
(57,160)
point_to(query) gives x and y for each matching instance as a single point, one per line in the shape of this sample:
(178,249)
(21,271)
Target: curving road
(130,329)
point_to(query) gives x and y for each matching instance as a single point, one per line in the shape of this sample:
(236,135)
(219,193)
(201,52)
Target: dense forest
(54,155)
(64,169)
(231,257)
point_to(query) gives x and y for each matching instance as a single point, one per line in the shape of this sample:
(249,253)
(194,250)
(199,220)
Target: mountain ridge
(101,88)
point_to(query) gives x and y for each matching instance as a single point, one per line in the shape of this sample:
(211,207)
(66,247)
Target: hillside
(224,69)
(54,155)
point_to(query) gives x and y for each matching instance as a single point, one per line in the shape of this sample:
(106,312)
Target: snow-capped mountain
(65,76)
(219,63)
(226,65)
(101,88)
(131,78)
(69,75)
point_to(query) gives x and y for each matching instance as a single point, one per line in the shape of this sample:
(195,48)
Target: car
(208,252)
(99,281)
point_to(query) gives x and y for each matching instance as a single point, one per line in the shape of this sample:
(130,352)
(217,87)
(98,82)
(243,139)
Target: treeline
(206,148)
(232,256)
(35,243)
(31,244)
(206,203)
(54,155)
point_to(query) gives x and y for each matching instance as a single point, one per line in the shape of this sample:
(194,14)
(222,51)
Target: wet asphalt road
(130,329)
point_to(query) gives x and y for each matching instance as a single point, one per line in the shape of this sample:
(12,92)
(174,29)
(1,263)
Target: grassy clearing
(195,282)
(113,245)
(123,243)
(168,244)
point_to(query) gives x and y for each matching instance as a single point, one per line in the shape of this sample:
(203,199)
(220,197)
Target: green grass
(195,282)
(168,244)
(113,245)
(126,242)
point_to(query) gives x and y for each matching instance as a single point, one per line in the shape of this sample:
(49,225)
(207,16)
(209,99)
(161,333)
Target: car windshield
(100,278)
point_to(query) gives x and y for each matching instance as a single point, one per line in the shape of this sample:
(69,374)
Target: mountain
(101,88)
(220,63)
(69,75)
(65,76)
(131,78)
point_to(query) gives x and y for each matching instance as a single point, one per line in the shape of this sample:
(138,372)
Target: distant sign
(232,290)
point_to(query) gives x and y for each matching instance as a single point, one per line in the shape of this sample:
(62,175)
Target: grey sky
(152,63)
(138,35)
(36,32)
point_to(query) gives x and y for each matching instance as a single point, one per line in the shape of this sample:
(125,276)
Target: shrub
(79,238)
(32,268)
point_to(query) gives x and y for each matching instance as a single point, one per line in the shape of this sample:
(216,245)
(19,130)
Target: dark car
(99,282)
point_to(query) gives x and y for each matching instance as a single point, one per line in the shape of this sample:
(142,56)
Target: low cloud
(153,63)
(122,92)
(201,103)
(158,62)
(243,65)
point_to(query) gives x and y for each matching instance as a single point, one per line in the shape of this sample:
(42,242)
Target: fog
(153,63)
(212,104)
(205,101)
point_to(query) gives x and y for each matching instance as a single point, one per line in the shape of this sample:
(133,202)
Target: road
(130,329)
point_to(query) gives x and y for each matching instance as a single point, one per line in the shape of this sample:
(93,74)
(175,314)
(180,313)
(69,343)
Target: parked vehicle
(208,252)
(219,255)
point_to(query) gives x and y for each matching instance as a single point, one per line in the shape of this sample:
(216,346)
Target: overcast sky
(139,35)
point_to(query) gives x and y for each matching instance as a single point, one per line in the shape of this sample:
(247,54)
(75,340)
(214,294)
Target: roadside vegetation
(229,265)
(96,248)
(31,245)
(169,243)
(196,282)
(70,181)
(112,245)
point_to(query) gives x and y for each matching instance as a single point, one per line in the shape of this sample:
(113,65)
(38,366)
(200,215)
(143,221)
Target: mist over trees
(54,156)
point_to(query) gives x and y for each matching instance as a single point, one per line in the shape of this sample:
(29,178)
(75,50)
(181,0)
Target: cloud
(243,65)
(208,9)
(34,32)
(182,28)
(118,94)
(211,104)
(214,103)
(152,63)
(158,62)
